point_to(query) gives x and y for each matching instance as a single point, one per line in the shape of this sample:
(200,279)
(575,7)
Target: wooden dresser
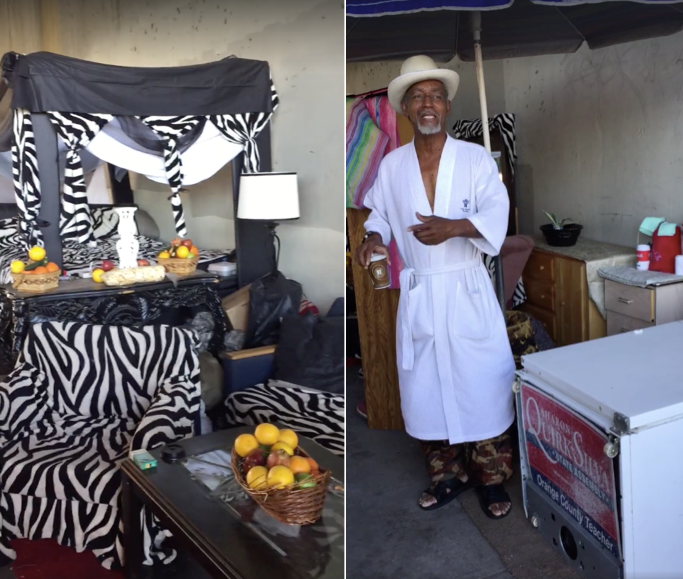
(632,308)
(562,288)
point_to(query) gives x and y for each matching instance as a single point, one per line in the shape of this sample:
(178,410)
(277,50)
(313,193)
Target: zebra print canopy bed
(175,125)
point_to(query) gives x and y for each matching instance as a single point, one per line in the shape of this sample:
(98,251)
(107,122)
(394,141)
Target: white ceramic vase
(127,246)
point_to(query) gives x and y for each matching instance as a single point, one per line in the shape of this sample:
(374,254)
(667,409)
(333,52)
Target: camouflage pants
(489,460)
(521,335)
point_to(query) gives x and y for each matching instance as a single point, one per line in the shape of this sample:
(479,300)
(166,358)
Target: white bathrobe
(454,359)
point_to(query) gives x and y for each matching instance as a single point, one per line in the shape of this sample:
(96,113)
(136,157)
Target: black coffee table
(224,530)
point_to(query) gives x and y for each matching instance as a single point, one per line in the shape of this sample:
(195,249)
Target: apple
(254,458)
(142,262)
(107,265)
(187,243)
(277,457)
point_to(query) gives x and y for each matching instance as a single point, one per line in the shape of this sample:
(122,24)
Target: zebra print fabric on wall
(25,177)
(80,397)
(77,131)
(505,123)
(311,413)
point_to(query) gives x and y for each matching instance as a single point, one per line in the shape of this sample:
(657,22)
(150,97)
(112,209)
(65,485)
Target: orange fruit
(182,252)
(194,251)
(52,267)
(245,443)
(289,437)
(299,464)
(40,269)
(314,465)
(267,434)
(280,476)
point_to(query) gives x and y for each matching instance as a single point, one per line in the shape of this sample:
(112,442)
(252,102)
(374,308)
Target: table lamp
(269,197)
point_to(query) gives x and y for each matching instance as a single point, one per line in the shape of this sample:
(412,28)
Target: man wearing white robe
(442,201)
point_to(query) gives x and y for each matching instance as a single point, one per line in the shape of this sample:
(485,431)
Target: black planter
(565,237)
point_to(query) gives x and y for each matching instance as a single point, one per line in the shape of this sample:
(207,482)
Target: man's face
(426,105)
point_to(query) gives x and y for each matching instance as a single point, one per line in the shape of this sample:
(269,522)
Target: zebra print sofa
(80,397)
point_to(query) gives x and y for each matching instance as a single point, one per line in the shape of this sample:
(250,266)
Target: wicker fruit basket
(178,265)
(290,505)
(35,282)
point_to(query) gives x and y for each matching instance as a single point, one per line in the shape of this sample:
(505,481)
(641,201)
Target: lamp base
(272,225)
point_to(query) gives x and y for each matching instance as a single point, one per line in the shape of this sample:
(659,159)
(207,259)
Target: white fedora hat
(417,69)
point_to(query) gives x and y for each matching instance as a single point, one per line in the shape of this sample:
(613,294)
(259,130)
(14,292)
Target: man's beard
(429,130)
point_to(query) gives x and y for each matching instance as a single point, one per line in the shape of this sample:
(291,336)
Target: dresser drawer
(541,266)
(540,293)
(631,301)
(619,323)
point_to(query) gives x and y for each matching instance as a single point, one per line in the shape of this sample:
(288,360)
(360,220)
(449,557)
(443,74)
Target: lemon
(36,253)
(17,267)
(257,477)
(283,446)
(280,476)
(289,437)
(182,252)
(244,444)
(164,255)
(267,434)
(97,275)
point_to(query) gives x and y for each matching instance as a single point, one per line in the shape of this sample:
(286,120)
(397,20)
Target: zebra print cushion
(311,413)
(79,399)
(105,222)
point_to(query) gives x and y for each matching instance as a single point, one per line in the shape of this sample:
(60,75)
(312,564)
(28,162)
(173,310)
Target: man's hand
(433,230)
(372,244)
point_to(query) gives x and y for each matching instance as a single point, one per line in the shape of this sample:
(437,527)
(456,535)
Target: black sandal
(490,495)
(445,491)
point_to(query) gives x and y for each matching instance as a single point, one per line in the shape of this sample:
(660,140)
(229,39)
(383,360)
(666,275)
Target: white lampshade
(268,196)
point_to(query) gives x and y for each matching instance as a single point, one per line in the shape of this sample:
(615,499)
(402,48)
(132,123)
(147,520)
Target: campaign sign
(567,463)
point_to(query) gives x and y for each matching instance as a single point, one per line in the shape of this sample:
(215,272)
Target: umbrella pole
(475,22)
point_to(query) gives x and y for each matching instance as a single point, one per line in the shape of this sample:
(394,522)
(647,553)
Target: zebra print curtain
(505,123)
(170,129)
(242,129)
(25,178)
(77,131)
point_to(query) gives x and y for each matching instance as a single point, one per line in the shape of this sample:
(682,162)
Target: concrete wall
(599,136)
(304,43)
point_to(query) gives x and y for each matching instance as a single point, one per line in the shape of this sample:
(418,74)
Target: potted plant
(561,233)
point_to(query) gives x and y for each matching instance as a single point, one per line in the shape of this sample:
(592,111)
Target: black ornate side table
(86,301)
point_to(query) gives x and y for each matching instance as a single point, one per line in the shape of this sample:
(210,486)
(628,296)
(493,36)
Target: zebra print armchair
(80,397)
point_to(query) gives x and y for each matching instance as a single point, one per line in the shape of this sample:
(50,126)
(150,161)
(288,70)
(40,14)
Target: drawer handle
(542,267)
(625,301)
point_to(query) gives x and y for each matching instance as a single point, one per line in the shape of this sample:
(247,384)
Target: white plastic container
(224,268)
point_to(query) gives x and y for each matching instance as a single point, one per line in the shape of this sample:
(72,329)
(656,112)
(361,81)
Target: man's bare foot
(494,501)
(439,492)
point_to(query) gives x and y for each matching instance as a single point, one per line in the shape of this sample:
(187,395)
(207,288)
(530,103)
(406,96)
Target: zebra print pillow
(8,232)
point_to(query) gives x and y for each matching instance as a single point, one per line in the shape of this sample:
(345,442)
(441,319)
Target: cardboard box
(236,307)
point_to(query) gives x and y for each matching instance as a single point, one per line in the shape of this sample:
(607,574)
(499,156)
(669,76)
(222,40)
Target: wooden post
(377,328)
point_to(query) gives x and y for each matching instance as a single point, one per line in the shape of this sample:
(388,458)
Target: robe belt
(407,278)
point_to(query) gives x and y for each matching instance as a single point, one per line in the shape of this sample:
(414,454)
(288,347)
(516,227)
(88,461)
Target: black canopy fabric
(156,108)
(523,29)
(43,82)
